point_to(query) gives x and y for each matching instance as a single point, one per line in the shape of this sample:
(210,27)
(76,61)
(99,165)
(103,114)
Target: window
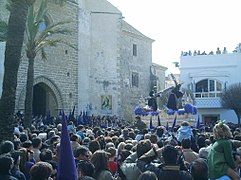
(208,88)
(135,79)
(134,50)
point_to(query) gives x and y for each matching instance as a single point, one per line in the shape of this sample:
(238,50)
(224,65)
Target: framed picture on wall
(106,103)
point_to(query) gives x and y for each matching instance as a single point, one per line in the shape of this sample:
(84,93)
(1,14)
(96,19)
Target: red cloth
(113,167)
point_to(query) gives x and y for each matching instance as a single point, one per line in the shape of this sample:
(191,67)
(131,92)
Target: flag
(159,121)
(167,126)
(60,113)
(198,122)
(151,124)
(72,114)
(174,122)
(66,164)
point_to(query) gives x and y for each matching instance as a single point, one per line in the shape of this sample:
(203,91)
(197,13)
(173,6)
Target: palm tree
(36,42)
(14,42)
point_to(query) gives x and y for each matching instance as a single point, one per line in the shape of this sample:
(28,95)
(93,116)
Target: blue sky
(182,25)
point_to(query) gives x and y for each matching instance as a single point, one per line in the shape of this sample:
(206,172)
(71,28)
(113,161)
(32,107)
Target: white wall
(222,67)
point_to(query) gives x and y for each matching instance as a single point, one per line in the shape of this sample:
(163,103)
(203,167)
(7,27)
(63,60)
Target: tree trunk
(15,37)
(29,91)
(238,116)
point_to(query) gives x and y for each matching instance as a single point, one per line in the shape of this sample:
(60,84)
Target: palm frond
(31,25)
(45,43)
(53,29)
(42,11)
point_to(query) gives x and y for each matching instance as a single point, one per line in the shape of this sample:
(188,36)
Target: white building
(207,76)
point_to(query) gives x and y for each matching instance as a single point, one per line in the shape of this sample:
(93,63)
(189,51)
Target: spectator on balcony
(218,51)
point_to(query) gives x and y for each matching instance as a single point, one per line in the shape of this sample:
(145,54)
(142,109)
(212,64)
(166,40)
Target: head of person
(186,143)
(27,144)
(153,138)
(6,147)
(82,153)
(85,168)
(143,146)
(94,146)
(6,163)
(41,171)
(23,137)
(112,152)
(170,154)
(37,142)
(185,123)
(221,131)
(46,155)
(138,118)
(199,169)
(100,161)
(160,130)
(148,175)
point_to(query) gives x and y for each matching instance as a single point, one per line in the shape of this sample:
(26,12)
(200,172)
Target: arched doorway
(45,92)
(44,100)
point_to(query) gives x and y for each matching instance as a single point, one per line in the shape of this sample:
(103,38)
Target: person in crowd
(100,161)
(125,134)
(185,131)
(199,169)
(220,158)
(148,175)
(6,147)
(17,144)
(71,128)
(129,166)
(170,169)
(203,152)
(15,171)
(94,146)
(75,141)
(37,144)
(85,169)
(81,131)
(41,171)
(25,163)
(82,153)
(112,165)
(6,164)
(46,155)
(139,124)
(188,154)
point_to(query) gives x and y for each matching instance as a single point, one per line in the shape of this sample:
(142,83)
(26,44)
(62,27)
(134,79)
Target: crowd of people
(121,151)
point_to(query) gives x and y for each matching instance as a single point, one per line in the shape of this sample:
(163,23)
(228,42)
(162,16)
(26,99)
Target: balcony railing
(208,94)
(208,99)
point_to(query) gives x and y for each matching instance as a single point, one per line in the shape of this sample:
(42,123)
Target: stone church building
(107,74)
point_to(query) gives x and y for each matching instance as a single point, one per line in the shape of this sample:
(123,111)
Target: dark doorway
(211,118)
(39,100)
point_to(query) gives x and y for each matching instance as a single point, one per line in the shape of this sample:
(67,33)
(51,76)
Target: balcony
(208,102)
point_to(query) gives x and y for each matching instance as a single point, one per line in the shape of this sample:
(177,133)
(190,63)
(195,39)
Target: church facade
(107,74)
